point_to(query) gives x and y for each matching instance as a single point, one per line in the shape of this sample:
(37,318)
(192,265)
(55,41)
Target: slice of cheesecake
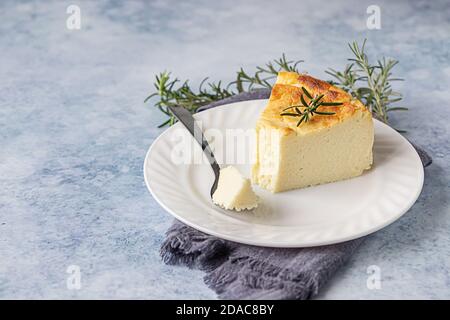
(331,145)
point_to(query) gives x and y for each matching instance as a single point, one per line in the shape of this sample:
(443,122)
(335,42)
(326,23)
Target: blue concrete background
(74,132)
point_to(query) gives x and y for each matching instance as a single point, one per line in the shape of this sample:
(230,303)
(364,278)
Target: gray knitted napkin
(238,271)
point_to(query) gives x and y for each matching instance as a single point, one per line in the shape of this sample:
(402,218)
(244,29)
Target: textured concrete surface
(74,132)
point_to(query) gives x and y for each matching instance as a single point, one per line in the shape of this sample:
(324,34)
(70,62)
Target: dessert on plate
(310,133)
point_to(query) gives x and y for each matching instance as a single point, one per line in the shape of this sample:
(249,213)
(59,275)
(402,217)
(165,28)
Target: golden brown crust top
(287,92)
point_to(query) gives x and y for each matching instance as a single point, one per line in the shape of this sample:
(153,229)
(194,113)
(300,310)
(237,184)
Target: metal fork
(186,118)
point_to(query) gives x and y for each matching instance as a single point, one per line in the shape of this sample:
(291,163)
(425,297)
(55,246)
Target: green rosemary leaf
(325,113)
(393,100)
(397,109)
(302,119)
(330,104)
(307,93)
(290,114)
(150,96)
(315,101)
(164,123)
(305,104)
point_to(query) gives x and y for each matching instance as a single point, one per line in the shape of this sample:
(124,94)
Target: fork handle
(186,118)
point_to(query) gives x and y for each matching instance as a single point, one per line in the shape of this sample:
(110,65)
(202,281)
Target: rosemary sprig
(370,83)
(309,108)
(171,91)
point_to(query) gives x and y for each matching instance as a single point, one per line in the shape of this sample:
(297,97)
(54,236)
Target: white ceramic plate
(312,216)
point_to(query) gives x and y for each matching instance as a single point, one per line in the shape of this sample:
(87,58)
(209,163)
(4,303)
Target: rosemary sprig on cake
(370,83)
(306,110)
